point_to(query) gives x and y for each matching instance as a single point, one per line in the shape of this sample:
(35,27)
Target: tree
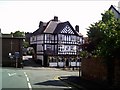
(18,34)
(95,36)
(25,44)
(105,38)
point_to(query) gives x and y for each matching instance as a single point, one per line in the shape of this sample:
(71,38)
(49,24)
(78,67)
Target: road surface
(35,78)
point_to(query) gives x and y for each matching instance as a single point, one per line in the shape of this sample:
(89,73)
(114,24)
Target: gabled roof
(112,7)
(51,27)
(40,29)
(61,25)
(54,27)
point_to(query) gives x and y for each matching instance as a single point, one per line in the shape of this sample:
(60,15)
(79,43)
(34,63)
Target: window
(47,36)
(60,37)
(48,46)
(61,48)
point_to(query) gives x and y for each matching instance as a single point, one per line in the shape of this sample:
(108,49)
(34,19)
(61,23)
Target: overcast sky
(26,15)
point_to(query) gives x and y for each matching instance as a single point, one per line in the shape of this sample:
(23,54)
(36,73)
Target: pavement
(83,84)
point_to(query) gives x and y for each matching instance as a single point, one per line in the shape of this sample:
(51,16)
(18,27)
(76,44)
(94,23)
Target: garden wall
(117,73)
(93,69)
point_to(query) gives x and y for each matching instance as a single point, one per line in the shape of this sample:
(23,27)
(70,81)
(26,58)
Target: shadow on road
(87,84)
(30,63)
(50,83)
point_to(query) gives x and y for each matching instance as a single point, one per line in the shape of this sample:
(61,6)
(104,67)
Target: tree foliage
(18,34)
(104,36)
(25,44)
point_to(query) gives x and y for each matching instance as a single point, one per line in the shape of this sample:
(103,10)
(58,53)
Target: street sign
(17,54)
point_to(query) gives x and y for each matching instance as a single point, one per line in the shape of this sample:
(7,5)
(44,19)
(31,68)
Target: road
(35,78)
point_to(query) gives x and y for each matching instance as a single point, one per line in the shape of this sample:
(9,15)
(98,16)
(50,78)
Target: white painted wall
(39,37)
(39,48)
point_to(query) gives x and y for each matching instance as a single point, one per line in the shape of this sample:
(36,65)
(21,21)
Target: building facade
(115,10)
(56,43)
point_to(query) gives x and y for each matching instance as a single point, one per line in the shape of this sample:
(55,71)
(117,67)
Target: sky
(26,15)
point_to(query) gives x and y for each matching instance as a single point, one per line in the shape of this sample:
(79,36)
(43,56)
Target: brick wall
(94,69)
(8,47)
(117,73)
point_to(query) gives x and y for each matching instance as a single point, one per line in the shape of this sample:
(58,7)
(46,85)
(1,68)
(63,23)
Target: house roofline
(114,9)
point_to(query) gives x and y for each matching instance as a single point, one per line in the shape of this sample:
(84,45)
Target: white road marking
(11,74)
(25,74)
(29,85)
(27,79)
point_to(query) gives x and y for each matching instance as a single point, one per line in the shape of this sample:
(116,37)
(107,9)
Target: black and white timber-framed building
(56,43)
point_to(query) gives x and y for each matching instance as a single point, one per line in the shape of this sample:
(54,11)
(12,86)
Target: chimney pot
(55,18)
(41,23)
(77,28)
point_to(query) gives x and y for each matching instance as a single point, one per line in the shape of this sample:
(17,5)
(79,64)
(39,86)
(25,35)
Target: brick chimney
(77,28)
(40,24)
(55,18)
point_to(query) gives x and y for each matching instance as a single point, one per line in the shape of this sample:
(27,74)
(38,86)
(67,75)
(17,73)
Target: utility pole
(11,43)
(16,62)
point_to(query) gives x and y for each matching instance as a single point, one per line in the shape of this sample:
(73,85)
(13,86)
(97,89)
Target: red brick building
(11,45)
